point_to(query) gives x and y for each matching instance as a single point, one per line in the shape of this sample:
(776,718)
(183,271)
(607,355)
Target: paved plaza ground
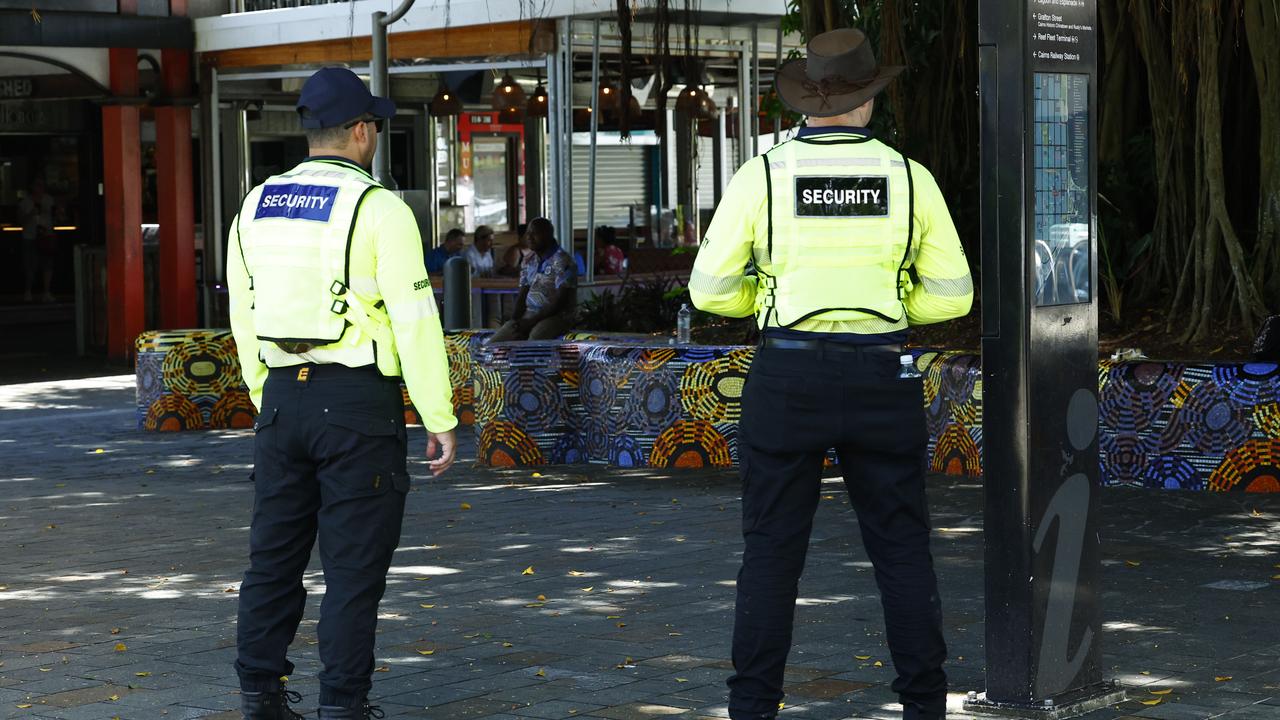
(569,593)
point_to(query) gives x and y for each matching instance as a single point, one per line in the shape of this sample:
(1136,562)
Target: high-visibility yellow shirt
(739,234)
(387,277)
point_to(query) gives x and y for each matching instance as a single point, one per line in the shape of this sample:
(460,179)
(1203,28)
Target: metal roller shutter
(620,183)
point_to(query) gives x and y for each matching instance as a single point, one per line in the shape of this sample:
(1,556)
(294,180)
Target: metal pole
(555,163)
(717,161)
(244,156)
(379,85)
(744,107)
(433,174)
(566,134)
(777,65)
(591,162)
(755,90)
(213,227)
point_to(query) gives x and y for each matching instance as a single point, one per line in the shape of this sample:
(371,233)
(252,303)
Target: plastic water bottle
(908,368)
(684,320)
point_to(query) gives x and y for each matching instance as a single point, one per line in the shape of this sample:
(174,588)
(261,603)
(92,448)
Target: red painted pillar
(122,200)
(174,190)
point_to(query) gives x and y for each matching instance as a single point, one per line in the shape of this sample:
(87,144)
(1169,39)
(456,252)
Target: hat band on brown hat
(835,85)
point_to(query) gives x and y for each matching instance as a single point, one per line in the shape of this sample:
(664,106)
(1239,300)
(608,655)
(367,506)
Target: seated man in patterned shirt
(546,306)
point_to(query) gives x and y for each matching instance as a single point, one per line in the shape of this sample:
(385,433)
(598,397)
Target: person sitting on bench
(546,305)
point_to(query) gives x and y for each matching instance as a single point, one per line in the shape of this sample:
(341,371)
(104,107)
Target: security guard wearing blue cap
(851,243)
(330,307)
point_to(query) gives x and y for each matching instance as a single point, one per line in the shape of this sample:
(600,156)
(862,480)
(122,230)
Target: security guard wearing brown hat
(331,308)
(852,243)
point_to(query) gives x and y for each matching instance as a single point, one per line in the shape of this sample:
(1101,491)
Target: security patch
(422,284)
(297,202)
(847,196)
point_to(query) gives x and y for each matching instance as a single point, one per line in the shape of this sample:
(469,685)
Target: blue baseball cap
(334,96)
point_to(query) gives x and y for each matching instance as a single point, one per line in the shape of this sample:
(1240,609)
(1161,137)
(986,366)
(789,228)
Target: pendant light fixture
(607,98)
(445,103)
(508,94)
(537,107)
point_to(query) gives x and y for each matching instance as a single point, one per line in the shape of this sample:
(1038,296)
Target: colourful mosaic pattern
(190,380)
(1191,427)
(1161,425)
(624,404)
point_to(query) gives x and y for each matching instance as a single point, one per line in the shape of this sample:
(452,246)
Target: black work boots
(364,712)
(270,705)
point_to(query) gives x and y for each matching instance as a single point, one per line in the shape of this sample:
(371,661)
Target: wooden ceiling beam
(496,40)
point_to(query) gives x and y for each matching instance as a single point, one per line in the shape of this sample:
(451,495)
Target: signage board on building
(27,117)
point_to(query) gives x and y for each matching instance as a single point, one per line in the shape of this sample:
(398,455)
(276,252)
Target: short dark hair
(541,225)
(455,233)
(607,235)
(333,137)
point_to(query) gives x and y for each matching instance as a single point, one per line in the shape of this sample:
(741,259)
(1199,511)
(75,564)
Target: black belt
(307,372)
(826,346)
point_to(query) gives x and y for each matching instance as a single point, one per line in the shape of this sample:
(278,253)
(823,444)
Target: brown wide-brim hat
(839,74)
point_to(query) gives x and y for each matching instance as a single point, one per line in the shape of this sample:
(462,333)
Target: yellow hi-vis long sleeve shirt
(387,275)
(738,233)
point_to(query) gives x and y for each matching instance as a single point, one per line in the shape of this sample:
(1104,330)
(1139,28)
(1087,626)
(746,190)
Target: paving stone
(666,569)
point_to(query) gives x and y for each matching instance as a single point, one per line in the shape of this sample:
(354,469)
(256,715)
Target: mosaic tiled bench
(1195,427)
(633,401)
(190,380)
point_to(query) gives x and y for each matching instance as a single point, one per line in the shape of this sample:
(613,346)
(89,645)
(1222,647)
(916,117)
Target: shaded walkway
(123,552)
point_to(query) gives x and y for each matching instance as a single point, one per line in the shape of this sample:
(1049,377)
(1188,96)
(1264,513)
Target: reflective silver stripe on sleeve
(839,162)
(778,164)
(897,164)
(949,287)
(712,285)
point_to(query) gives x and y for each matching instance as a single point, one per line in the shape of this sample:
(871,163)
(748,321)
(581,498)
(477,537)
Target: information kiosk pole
(1038,74)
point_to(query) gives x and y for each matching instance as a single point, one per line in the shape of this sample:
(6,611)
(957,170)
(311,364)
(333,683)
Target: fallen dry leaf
(98,451)
(507,644)
(1222,678)
(589,588)
(425,606)
(382,668)
(465,506)
(142,674)
(682,680)
(541,673)
(1145,672)
(537,475)
(1155,701)
(1132,563)
(527,571)
(113,698)
(24,706)
(1165,691)
(861,657)
(576,573)
(426,652)
(878,664)
(542,598)
(121,647)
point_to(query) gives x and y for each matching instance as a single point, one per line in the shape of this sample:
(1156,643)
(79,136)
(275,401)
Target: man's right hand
(445,444)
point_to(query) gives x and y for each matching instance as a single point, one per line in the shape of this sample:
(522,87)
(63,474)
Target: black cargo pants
(329,461)
(796,405)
